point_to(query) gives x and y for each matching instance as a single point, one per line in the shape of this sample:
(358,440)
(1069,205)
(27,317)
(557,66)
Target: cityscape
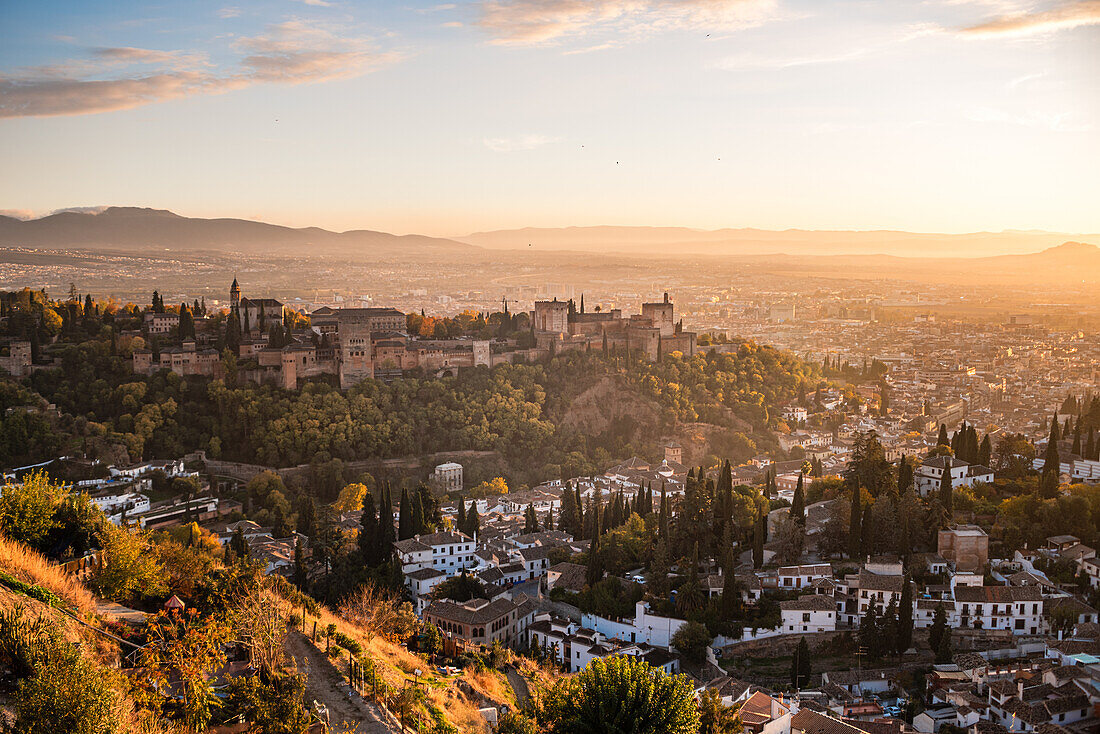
(550,367)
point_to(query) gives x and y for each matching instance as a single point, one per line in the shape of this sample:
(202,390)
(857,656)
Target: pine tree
(798,507)
(938,628)
(905,618)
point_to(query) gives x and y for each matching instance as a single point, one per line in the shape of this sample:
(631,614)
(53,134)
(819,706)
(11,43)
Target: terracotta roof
(811,722)
(808,603)
(997,594)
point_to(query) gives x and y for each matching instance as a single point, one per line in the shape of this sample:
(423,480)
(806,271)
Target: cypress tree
(888,641)
(1052,467)
(1055,432)
(946,491)
(1077,438)
(473,522)
(866,533)
(905,618)
(300,576)
(798,507)
(460,521)
(938,628)
(905,476)
(869,632)
(985,451)
(368,533)
(530,521)
(385,523)
(854,523)
(758,541)
(662,520)
(550,519)
(405,529)
(943,649)
(942,440)
(307,516)
(800,665)
(1090,446)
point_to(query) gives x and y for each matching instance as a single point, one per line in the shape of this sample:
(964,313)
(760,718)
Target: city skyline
(445,119)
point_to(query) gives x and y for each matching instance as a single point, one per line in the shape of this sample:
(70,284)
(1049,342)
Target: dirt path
(519,685)
(347,713)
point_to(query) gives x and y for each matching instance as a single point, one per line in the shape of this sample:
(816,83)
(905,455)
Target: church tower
(234,296)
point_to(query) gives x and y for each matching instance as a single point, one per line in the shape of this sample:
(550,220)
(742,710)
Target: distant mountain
(742,242)
(135,229)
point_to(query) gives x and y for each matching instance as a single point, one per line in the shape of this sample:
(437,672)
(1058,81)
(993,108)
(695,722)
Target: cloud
(1062,17)
(1059,122)
(288,53)
(23,214)
(846,53)
(317,3)
(229,13)
(548,22)
(518,142)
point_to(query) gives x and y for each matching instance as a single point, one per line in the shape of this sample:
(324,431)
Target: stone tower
(234,296)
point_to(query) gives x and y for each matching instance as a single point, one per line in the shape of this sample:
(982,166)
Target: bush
(64,693)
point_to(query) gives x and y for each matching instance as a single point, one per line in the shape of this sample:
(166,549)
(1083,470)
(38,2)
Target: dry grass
(33,568)
(395,664)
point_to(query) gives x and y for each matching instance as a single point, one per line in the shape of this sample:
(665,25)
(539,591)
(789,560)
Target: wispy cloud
(294,52)
(318,3)
(518,142)
(1059,122)
(548,22)
(1064,16)
(230,12)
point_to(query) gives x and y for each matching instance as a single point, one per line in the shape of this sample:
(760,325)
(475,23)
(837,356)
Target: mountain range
(156,230)
(143,230)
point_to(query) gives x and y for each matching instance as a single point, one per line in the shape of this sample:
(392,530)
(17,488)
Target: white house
(811,613)
(929,474)
(444,551)
(800,577)
(1015,608)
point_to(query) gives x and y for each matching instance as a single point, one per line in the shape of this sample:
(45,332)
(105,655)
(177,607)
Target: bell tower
(234,296)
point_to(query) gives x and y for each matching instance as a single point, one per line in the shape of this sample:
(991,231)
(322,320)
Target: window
(805,616)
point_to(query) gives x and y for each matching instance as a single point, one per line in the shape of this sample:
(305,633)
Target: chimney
(1020,688)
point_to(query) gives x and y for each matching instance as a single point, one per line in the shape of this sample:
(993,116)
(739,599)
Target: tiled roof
(811,722)
(997,594)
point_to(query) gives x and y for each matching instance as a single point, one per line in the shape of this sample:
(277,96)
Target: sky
(448,118)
